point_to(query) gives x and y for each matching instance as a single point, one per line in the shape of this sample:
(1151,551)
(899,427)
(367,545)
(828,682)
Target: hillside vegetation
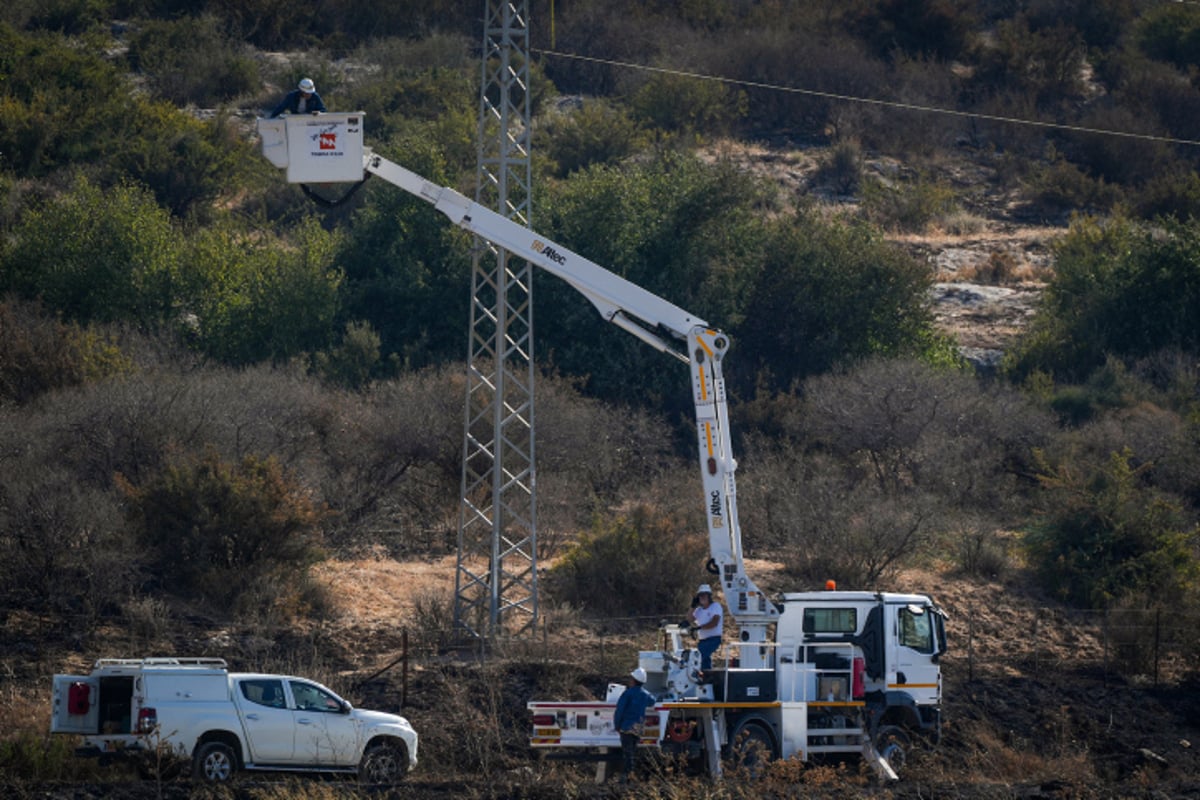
(214,394)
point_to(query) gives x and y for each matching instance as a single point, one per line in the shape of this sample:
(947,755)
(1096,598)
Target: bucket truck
(819,672)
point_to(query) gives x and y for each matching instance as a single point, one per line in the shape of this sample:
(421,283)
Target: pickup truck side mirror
(346,707)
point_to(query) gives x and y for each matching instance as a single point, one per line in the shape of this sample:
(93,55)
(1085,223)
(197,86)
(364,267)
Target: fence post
(1104,624)
(404,667)
(971,644)
(1036,661)
(1157,640)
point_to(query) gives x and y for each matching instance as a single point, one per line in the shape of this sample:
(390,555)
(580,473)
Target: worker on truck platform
(629,718)
(707,616)
(301,100)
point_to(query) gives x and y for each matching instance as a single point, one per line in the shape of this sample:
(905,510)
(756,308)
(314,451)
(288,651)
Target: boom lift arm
(652,319)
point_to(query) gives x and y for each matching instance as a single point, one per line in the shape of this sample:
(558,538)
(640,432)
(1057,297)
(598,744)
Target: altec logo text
(549,252)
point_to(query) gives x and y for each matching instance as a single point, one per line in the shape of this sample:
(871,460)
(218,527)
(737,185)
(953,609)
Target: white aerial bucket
(315,148)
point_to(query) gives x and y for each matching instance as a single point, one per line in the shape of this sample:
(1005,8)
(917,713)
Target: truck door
(325,733)
(270,725)
(76,705)
(916,647)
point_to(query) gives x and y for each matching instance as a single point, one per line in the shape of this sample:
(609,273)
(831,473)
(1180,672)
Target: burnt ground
(1041,716)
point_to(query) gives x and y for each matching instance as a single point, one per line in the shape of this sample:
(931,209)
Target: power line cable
(871,100)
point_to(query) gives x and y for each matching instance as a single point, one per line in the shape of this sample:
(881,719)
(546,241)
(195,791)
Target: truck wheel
(215,762)
(383,764)
(893,743)
(751,749)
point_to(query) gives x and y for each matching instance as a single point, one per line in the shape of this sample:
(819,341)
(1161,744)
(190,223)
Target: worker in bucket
(301,100)
(630,718)
(707,617)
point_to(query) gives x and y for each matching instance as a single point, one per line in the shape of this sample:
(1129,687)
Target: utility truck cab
(891,644)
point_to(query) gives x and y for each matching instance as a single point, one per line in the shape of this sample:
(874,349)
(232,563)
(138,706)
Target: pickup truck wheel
(383,764)
(215,762)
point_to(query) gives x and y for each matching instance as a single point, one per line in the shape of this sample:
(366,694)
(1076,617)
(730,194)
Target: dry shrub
(29,756)
(963,223)
(298,789)
(644,563)
(995,757)
(999,269)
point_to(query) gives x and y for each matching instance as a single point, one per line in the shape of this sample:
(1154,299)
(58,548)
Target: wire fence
(1154,646)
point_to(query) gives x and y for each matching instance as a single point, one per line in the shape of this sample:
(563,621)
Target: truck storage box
(750,686)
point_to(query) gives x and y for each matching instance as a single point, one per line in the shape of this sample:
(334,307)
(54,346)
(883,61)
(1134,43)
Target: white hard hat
(638,675)
(704,589)
(306,85)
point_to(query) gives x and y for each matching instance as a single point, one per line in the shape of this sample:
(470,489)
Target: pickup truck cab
(225,722)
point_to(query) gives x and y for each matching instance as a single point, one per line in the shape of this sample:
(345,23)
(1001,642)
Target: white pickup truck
(195,708)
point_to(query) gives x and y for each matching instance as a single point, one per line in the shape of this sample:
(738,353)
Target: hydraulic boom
(328,148)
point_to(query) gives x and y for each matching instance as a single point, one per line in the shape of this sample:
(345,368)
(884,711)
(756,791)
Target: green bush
(59,101)
(830,293)
(187,163)
(191,60)
(351,363)
(907,206)
(1171,33)
(1106,538)
(641,564)
(96,255)
(596,133)
(256,298)
(1118,289)
(680,104)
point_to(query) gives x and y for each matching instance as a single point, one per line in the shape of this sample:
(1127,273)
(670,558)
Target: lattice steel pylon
(496,575)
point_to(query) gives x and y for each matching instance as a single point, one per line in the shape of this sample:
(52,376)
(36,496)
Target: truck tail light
(544,719)
(858,679)
(147,720)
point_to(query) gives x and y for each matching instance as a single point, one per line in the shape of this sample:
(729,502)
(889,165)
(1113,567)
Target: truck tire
(751,748)
(383,764)
(893,743)
(215,762)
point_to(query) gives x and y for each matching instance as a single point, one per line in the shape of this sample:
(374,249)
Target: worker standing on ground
(708,617)
(301,100)
(630,718)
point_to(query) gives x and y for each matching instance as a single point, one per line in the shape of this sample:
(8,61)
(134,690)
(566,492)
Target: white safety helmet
(704,589)
(306,85)
(638,675)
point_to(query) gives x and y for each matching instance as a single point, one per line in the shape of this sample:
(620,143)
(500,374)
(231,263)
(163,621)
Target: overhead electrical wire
(871,100)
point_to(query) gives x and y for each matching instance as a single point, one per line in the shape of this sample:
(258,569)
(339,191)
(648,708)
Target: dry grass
(377,591)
